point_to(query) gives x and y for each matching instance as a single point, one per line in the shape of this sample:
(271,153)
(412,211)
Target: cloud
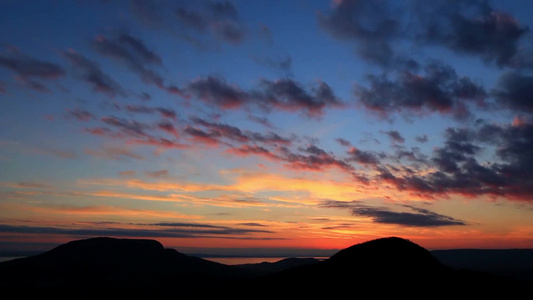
(172,230)
(471,27)
(268,138)
(262,120)
(90,72)
(28,67)
(309,158)
(165,112)
(252,224)
(419,218)
(363,157)
(213,90)
(289,95)
(246,150)
(81,114)
(313,158)
(219,19)
(422,138)
(458,171)
(413,156)
(160,142)
(114,153)
(514,91)
(215,132)
(98,130)
(283,94)
(139,49)
(379,30)
(34,85)
(343,142)
(281,63)
(134,54)
(128,49)
(234,193)
(395,136)
(200,136)
(127,173)
(157,174)
(370,24)
(204,229)
(130,128)
(168,127)
(439,89)
(458,148)
(220,130)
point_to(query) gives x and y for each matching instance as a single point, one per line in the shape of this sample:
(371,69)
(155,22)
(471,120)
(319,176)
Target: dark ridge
(265,268)
(516,263)
(391,253)
(106,268)
(388,267)
(131,265)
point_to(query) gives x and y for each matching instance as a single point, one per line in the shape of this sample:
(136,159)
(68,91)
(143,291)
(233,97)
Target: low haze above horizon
(267,124)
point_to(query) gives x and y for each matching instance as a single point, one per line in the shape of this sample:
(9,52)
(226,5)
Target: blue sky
(312,124)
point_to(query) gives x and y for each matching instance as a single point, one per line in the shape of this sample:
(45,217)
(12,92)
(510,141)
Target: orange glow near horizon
(248,210)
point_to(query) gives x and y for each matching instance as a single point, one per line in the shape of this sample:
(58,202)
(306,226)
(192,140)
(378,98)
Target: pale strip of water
(6,258)
(248,260)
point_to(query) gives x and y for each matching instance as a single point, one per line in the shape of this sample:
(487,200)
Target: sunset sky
(266,124)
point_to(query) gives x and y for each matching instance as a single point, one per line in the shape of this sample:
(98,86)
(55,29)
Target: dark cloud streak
(283,94)
(172,230)
(90,72)
(27,66)
(419,218)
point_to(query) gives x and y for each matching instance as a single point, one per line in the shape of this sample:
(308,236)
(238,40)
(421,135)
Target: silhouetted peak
(105,247)
(391,253)
(113,243)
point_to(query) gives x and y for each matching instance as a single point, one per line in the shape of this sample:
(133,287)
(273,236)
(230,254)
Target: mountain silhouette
(387,267)
(265,268)
(101,264)
(111,268)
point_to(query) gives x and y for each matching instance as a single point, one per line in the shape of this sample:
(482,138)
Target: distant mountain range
(109,268)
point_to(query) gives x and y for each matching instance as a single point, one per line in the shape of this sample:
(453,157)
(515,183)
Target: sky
(267,125)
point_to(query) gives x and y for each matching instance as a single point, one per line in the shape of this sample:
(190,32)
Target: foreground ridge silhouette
(109,267)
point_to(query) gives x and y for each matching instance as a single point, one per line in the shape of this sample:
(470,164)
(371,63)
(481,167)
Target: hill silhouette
(388,267)
(103,264)
(108,268)
(266,268)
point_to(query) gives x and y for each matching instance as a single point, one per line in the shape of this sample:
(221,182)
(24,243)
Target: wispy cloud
(113,153)
(133,53)
(219,19)
(90,72)
(170,230)
(418,218)
(28,67)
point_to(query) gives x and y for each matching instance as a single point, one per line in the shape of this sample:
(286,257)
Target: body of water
(6,258)
(248,260)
